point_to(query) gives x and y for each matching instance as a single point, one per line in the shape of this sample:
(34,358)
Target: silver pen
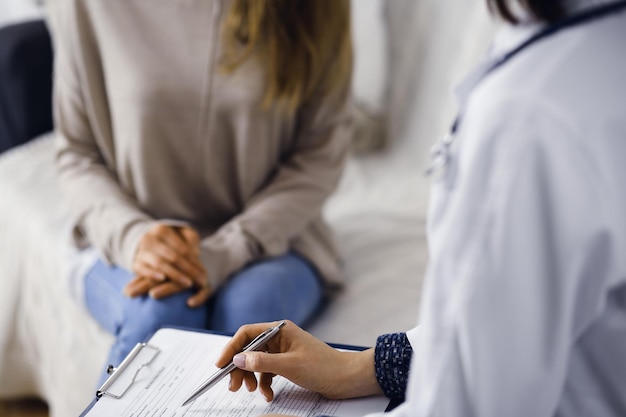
(256,344)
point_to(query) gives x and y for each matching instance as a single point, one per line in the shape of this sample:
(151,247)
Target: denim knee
(144,315)
(281,288)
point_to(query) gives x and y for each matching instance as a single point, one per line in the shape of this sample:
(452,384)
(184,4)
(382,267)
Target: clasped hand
(168,262)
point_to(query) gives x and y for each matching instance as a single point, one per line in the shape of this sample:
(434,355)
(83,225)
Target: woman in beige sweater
(198,141)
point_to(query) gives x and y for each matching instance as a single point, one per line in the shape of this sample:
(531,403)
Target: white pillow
(15,11)
(369,34)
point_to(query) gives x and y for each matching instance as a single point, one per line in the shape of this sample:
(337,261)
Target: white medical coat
(524,307)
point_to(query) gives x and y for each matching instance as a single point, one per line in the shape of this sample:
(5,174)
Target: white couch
(51,349)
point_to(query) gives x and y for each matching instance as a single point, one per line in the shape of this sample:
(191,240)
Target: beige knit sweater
(149,130)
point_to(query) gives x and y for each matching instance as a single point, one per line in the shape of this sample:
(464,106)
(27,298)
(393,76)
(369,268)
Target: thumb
(258,362)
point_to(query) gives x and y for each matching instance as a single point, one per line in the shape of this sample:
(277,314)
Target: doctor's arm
(310,363)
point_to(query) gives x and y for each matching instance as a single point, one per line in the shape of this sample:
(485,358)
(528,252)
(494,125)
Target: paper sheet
(186,360)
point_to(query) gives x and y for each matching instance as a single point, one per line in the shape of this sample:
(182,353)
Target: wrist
(359,376)
(132,242)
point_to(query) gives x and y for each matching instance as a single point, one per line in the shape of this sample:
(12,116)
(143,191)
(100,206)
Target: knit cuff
(392,361)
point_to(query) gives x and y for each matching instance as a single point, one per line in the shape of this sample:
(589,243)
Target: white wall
(369,33)
(12,11)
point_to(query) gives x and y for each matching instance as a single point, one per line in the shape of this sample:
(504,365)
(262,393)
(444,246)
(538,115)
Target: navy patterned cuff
(392,361)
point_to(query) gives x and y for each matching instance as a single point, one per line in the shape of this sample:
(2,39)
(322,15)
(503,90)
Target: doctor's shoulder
(565,87)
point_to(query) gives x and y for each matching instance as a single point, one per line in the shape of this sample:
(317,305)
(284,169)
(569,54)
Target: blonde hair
(304,45)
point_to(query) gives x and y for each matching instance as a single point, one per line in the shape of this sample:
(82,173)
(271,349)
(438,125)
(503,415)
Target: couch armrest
(25,82)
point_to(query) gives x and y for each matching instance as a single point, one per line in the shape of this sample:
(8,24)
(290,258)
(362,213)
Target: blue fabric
(392,361)
(286,287)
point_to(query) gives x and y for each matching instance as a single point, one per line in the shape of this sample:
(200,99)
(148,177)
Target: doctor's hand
(301,358)
(167,262)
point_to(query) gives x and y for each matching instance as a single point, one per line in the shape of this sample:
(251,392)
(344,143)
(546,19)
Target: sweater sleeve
(104,214)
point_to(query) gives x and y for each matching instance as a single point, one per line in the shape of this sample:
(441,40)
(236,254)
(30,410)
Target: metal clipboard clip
(138,359)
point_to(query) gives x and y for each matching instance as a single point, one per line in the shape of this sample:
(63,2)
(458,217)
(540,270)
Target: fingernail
(187,282)
(240,361)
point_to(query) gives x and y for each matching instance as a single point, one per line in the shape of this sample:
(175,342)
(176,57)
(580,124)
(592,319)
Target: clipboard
(131,361)
(130,368)
(136,366)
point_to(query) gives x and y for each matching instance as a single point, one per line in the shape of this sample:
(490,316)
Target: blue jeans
(286,287)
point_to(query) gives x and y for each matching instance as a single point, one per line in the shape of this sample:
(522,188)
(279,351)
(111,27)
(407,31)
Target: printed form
(186,359)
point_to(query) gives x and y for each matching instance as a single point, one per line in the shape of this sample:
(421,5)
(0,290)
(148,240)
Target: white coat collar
(507,38)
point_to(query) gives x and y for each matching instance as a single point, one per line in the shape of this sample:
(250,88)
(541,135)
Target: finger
(135,280)
(236,380)
(262,362)
(145,270)
(250,380)
(153,243)
(167,243)
(188,265)
(138,286)
(175,240)
(242,337)
(159,264)
(191,237)
(192,267)
(200,297)
(166,289)
(265,386)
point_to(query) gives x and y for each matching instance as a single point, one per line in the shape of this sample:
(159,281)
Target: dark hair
(545,10)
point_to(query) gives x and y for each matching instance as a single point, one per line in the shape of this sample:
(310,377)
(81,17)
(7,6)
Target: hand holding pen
(301,358)
(257,343)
